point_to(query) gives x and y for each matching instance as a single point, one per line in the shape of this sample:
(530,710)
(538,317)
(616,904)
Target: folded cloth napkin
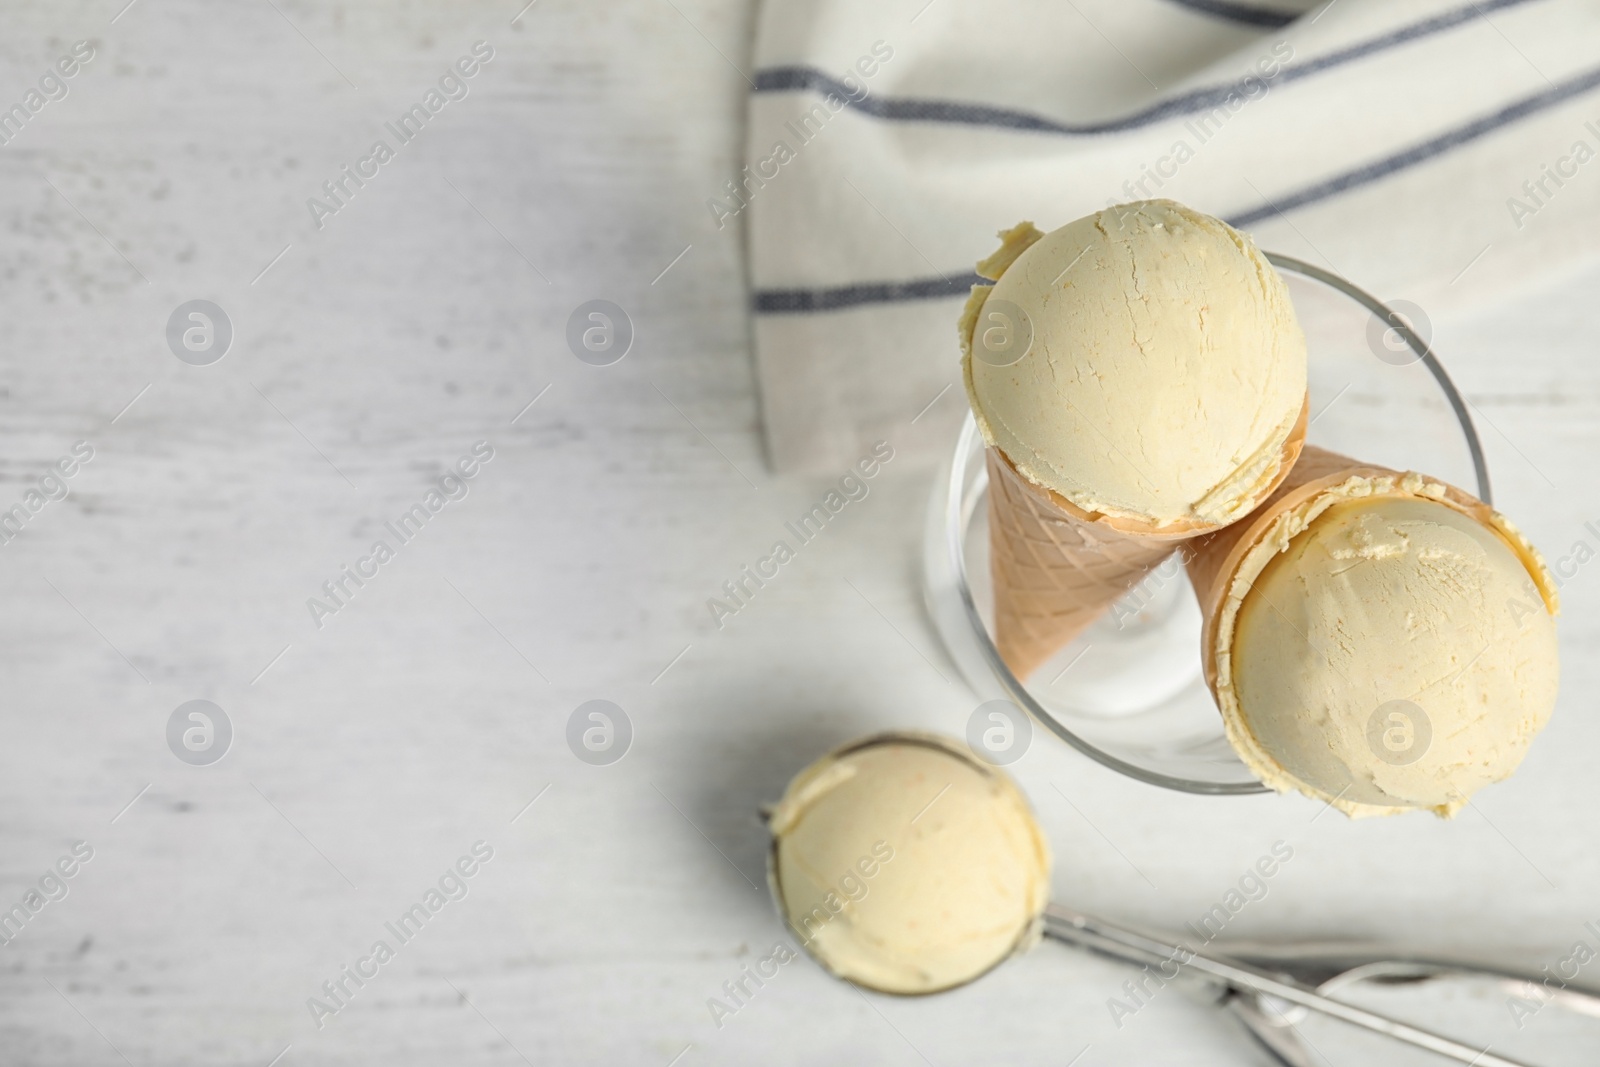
(1433,151)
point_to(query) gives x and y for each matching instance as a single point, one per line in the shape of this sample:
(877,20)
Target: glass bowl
(1129,691)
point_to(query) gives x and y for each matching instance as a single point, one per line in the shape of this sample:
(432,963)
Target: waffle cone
(1056,568)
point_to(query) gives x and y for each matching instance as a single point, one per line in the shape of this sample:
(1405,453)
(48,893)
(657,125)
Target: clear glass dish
(1129,692)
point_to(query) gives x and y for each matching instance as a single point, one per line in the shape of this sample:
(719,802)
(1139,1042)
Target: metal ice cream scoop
(1256,983)
(874,787)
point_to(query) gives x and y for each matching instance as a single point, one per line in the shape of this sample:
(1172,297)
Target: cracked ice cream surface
(1167,368)
(927,867)
(1373,592)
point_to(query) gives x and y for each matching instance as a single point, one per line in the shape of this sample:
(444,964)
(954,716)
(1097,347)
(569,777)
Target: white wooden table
(372,752)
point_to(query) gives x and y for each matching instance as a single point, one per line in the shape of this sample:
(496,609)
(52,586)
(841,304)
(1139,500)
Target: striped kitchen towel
(1433,151)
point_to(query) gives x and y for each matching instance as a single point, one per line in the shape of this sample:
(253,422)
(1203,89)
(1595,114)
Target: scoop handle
(1097,935)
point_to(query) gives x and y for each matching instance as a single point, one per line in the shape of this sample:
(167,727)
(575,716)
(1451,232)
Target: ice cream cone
(1223,566)
(1056,568)
(1104,369)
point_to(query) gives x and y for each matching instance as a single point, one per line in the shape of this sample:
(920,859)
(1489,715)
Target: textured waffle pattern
(1054,573)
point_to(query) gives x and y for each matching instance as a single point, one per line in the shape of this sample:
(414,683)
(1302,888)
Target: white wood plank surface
(426,714)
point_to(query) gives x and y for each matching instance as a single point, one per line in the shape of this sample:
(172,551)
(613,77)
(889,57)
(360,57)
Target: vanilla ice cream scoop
(1144,363)
(905,865)
(1397,652)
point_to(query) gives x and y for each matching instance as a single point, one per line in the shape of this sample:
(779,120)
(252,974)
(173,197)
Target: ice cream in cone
(1139,377)
(1379,640)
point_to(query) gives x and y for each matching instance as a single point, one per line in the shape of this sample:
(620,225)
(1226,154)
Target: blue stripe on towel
(1455,138)
(1254,16)
(965,113)
(777,301)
